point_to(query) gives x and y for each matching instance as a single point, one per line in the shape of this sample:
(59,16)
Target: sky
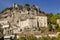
(48,6)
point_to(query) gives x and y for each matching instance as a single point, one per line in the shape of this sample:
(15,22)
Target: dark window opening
(20,29)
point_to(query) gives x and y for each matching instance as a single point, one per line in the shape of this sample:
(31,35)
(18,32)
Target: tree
(31,37)
(5,10)
(58,37)
(20,7)
(35,7)
(46,38)
(53,18)
(54,38)
(27,6)
(22,38)
(50,28)
(49,15)
(40,38)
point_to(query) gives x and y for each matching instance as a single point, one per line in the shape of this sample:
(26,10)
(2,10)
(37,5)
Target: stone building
(17,21)
(42,19)
(58,22)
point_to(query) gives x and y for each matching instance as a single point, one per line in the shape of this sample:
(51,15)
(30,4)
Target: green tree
(31,37)
(35,7)
(40,38)
(20,7)
(58,37)
(49,15)
(53,19)
(50,28)
(22,38)
(27,6)
(54,38)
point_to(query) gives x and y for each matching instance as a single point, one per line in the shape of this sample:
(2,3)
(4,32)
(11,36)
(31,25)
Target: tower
(15,5)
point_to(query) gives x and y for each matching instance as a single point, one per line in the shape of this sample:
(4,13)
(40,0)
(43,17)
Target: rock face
(20,20)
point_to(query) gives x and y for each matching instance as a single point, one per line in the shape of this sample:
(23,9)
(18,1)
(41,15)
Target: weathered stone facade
(58,22)
(17,21)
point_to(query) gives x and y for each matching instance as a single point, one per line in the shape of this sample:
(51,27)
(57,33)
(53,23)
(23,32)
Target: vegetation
(52,18)
(39,38)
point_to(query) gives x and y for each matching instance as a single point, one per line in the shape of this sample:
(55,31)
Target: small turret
(15,5)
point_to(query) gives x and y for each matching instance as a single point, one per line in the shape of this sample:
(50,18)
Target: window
(17,21)
(20,30)
(20,11)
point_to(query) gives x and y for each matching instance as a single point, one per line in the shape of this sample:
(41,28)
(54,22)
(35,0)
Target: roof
(52,33)
(41,14)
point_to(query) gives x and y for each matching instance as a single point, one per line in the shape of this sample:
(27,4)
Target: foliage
(35,7)
(27,6)
(31,38)
(58,37)
(50,28)
(22,38)
(52,18)
(54,38)
(6,9)
(48,17)
(40,38)
(28,38)
(57,30)
(20,7)
(46,38)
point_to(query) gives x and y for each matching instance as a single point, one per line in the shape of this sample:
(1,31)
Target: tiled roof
(51,32)
(41,14)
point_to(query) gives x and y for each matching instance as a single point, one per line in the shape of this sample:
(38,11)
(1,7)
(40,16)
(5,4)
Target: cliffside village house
(58,22)
(16,21)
